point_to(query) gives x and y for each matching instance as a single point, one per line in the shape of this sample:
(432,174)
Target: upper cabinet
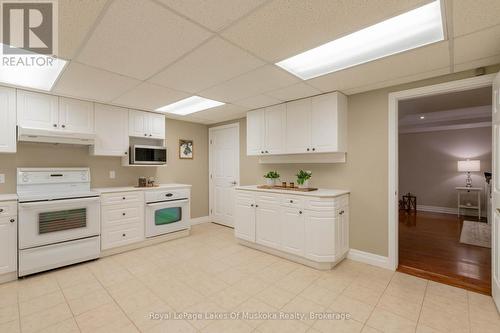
(266,130)
(47,112)
(310,125)
(111,131)
(146,125)
(7,120)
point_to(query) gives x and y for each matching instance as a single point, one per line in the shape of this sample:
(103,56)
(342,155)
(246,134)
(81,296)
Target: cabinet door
(255,132)
(111,131)
(8,245)
(76,115)
(275,124)
(157,126)
(7,120)
(298,126)
(36,110)
(292,231)
(268,221)
(329,121)
(342,232)
(139,124)
(244,217)
(320,242)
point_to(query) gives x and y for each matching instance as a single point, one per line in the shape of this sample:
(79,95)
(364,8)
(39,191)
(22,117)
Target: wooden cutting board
(277,187)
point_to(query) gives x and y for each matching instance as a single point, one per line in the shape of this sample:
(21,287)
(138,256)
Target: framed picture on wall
(186,149)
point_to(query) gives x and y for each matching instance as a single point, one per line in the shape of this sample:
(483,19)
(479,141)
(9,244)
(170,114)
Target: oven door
(48,222)
(165,217)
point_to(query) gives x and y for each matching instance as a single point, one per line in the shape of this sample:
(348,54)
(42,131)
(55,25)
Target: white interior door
(495,255)
(224,172)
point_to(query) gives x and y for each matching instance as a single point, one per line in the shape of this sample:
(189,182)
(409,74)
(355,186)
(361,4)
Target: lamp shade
(469,166)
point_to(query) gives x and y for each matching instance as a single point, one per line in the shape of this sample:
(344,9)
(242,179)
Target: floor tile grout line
(67,304)
(423,300)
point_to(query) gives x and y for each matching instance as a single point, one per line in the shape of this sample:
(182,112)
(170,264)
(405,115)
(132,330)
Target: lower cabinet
(122,218)
(8,237)
(310,227)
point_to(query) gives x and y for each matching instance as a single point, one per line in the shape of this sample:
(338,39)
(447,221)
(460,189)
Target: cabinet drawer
(125,234)
(122,214)
(245,196)
(326,204)
(270,199)
(8,208)
(122,197)
(292,201)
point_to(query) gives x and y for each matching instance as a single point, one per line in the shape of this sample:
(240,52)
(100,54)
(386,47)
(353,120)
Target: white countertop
(8,197)
(133,188)
(321,192)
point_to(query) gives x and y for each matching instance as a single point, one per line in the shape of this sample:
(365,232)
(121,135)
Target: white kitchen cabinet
(39,111)
(244,216)
(255,132)
(298,126)
(312,230)
(311,125)
(7,120)
(268,221)
(111,131)
(146,125)
(76,115)
(8,237)
(275,121)
(292,230)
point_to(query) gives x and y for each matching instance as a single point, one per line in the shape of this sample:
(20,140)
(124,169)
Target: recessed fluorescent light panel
(31,70)
(418,27)
(190,105)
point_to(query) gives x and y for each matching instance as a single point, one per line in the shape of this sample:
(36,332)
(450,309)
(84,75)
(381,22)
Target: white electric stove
(59,218)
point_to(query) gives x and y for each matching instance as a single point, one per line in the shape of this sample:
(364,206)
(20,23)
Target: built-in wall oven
(167,211)
(59,218)
(148,155)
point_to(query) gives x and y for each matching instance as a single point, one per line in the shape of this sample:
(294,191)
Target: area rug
(476,233)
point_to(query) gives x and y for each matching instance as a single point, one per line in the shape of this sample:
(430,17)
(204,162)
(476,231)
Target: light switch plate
(2,178)
(112,174)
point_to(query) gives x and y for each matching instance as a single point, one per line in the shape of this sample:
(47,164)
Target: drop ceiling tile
(75,19)
(214,15)
(256,82)
(86,82)
(227,111)
(473,15)
(295,91)
(283,28)
(213,62)
(138,38)
(149,96)
(477,46)
(385,69)
(258,101)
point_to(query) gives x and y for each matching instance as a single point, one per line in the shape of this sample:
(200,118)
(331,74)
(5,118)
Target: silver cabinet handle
(234,183)
(300,212)
(1,210)
(251,205)
(12,220)
(308,149)
(63,126)
(55,125)
(314,149)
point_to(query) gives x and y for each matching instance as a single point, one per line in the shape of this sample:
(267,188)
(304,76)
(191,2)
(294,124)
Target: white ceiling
(148,53)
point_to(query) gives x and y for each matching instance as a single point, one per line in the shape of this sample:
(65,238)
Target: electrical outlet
(2,178)
(112,174)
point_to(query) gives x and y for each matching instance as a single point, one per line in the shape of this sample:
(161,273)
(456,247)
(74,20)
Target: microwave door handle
(57,202)
(172,202)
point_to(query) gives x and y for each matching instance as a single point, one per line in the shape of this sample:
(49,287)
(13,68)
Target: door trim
(210,159)
(394,98)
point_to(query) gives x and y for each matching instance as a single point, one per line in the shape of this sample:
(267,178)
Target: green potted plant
(271,177)
(303,178)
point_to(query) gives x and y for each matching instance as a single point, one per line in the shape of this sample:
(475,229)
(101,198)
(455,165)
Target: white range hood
(65,137)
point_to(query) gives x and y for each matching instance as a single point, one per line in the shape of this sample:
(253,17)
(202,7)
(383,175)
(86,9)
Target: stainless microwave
(149,155)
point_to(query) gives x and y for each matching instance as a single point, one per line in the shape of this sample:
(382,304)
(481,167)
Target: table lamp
(469,166)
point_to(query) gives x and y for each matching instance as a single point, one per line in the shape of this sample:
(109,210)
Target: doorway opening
(445,164)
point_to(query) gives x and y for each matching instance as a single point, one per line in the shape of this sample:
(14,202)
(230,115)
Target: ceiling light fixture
(416,28)
(190,105)
(30,70)
(422,117)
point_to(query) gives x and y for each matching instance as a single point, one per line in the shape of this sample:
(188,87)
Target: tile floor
(209,273)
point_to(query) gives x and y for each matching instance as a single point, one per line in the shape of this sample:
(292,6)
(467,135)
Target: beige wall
(193,172)
(366,171)
(428,163)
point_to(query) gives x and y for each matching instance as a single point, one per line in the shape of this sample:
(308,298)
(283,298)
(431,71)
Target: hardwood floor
(429,247)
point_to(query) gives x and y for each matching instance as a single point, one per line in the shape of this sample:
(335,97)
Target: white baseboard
(446,210)
(199,220)
(369,258)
